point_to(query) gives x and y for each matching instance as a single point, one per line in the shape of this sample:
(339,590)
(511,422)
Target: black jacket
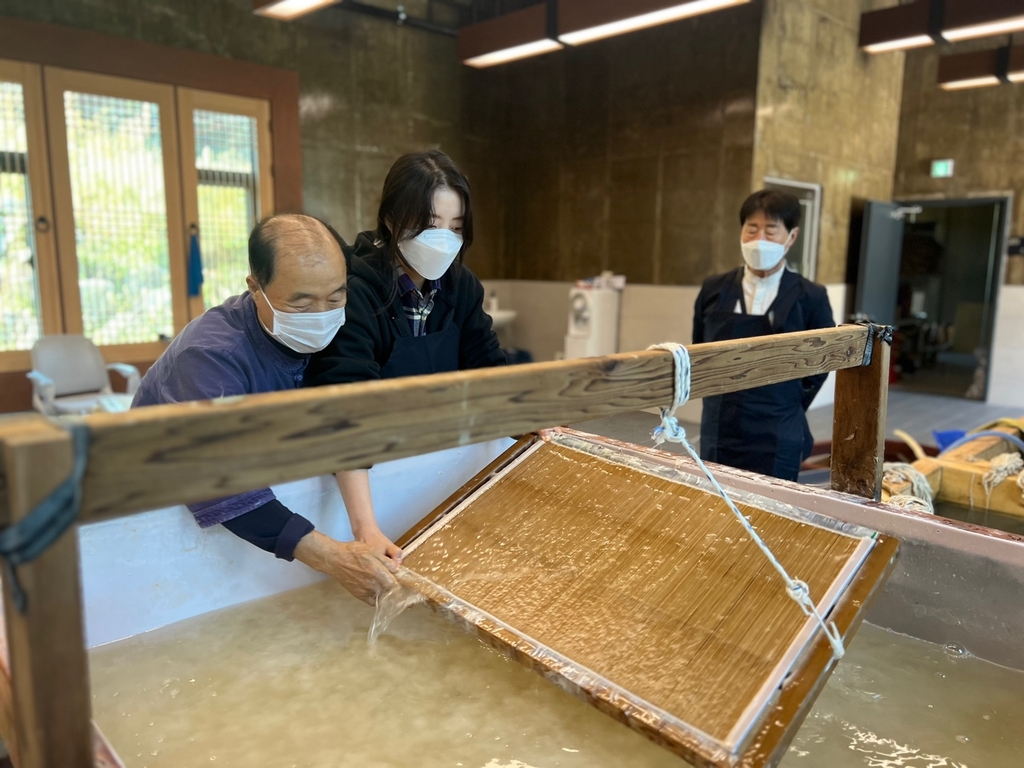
(363,345)
(811,311)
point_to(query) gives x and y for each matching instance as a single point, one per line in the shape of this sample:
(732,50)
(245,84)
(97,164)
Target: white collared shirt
(759,292)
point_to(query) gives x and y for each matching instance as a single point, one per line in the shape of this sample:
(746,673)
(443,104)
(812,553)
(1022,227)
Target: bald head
(296,262)
(288,236)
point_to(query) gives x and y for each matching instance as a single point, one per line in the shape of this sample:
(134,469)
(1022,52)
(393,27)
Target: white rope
(1000,468)
(906,501)
(896,473)
(671,431)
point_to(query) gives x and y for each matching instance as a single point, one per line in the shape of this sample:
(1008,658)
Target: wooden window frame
(59,81)
(25,43)
(49,306)
(191,99)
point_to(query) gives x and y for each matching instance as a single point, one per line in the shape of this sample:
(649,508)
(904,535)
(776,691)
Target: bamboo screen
(115,155)
(647,583)
(19,312)
(227,161)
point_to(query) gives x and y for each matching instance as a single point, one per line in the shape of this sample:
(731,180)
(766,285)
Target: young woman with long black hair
(414,307)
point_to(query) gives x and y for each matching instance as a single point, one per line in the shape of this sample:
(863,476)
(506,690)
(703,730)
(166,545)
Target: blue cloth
(195,267)
(222,353)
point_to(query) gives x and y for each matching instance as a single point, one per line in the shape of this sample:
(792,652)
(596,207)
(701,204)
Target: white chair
(69,376)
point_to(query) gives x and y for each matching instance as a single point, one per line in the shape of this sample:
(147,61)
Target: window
(119,203)
(133,168)
(29,297)
(230,178)
(19,295)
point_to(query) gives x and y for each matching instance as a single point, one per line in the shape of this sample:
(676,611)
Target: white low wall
(149,570)
(1006,382)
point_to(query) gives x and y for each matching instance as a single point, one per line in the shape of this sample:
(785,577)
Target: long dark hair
(407,200)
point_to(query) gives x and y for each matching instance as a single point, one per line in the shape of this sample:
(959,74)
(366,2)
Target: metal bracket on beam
(400,17)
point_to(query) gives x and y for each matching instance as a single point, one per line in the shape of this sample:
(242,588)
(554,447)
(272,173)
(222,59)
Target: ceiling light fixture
(902,27)
(982,68)
(517,35)
(583,21)
(968,19)
(923,22)
(286,10)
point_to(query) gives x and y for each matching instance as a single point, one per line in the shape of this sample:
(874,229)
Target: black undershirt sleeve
(272,527)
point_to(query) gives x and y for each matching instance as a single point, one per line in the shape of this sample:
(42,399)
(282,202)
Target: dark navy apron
(763,429)
(435,352)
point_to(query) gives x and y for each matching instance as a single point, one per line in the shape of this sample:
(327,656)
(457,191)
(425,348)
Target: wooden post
(48,665)
(858,428)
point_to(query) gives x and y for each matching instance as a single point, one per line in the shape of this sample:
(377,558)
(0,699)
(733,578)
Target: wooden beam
(858,427)
(174,454)
(46,646)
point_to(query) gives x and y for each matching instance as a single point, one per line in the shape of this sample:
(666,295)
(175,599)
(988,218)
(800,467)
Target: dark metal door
(881,247)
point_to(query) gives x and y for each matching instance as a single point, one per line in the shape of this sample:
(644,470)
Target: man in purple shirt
(261,342)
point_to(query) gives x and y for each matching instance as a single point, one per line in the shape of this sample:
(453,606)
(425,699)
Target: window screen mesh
(19,313)
(227,164)
(120,210)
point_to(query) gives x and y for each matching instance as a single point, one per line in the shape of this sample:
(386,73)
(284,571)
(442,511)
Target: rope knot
(800,592)
(668,431)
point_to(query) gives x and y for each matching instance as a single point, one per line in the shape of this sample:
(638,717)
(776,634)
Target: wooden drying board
(957,476)
(655,605)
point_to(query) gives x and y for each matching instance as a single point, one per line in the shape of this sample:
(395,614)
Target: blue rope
(968,438)
(671,431)
(28,538)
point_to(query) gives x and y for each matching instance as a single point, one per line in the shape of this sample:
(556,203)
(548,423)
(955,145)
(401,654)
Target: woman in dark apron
(763,429)
(414,308)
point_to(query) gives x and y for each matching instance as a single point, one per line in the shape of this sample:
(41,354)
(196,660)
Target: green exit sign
(942,169)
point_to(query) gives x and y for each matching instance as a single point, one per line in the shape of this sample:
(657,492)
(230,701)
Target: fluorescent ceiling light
(971,82)
(286,10)
(511,54)
(916,41)
(984,30)
(1015,77)
(644,20)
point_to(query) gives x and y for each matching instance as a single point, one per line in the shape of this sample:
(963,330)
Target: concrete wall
(631,154)
(981,129)
(1007,368)
(370,90)
(826,113)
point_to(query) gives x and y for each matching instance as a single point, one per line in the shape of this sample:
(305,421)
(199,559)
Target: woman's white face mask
(305,332)
(431,252)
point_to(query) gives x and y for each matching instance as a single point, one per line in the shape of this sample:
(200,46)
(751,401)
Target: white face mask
(431,252)
(763,255)
(305,332)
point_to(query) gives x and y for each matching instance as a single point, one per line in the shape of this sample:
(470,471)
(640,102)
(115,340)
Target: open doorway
(945,305)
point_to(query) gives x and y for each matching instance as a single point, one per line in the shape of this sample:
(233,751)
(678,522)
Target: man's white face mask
(431,252)
(305,332)
(763,255)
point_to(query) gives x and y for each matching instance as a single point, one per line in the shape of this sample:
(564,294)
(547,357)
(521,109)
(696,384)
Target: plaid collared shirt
(418,305)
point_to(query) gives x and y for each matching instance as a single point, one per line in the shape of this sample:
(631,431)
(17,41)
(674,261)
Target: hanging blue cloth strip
(28,538)
(195,264)
(1013,439)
